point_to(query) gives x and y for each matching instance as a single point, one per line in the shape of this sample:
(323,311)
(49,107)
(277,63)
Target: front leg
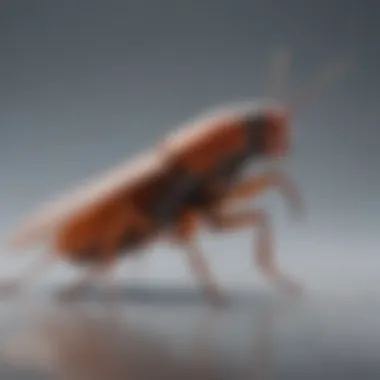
(263,255)
(258,184)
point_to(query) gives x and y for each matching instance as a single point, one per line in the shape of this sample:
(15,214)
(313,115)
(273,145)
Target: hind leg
(16,285)
(109,244)
(96,263)
(100,271)
(92,275)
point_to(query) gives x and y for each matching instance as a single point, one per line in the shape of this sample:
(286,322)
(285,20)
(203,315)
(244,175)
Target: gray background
(85,85)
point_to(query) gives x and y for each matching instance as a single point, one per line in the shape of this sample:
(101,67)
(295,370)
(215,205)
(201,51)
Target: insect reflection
(81,344)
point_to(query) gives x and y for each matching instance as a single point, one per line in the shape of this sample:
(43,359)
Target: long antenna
(278,73)
(330,73)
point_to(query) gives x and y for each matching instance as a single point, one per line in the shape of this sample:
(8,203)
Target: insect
(192,175)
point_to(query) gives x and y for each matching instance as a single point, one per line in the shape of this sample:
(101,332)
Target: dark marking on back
(190,190)
(132,240)
(177,189)
(183,189)
(175,192)
(255,127)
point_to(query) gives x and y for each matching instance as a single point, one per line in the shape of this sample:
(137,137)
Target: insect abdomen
(92,232)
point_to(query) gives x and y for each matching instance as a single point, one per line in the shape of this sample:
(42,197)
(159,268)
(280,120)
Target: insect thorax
(187,189)
(255,127)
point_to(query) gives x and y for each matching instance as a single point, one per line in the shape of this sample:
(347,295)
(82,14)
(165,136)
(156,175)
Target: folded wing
(49,216)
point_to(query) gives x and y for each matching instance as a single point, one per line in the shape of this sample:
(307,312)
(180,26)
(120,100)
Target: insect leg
(258,184)
(184,234)
(264,256)
(92,274)
(201,269)
(15,285)
(105,258)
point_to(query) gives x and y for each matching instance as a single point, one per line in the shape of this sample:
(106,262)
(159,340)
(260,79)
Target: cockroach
(192,175)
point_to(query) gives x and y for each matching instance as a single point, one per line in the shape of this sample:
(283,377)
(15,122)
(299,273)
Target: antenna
(278,73)
(314,87)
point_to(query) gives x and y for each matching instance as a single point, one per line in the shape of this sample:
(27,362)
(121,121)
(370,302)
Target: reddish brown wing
(42,223)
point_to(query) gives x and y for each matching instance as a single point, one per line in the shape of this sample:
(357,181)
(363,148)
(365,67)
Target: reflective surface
(175,334)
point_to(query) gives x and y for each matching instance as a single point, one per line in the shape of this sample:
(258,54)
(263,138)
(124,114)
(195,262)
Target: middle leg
(184,235)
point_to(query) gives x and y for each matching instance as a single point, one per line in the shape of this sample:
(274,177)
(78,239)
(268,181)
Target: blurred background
(85,85)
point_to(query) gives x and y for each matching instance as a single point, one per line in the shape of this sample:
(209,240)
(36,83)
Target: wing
(49,215)
(42,223)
